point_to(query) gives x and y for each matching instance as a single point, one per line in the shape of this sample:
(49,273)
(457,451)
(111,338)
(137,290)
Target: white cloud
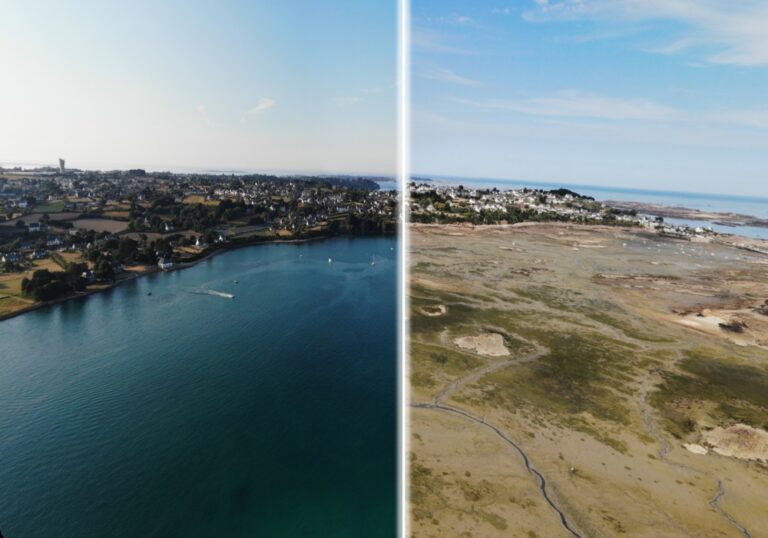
(738,30)
(264,103)
(446,75)
(576,104)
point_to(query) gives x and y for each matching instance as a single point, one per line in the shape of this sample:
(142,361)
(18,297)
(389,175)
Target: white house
(165,263)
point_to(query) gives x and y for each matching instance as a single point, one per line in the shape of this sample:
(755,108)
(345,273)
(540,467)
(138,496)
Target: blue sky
(662,94)
(273,85)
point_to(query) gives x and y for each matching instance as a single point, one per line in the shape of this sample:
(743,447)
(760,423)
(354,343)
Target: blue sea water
(744,205)
(388,185)
(178,414)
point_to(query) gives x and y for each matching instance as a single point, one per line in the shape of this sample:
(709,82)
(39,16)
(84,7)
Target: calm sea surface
(178,414)
(744,205)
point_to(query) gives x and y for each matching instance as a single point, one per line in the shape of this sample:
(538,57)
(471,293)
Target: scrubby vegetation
(46,285)
(728,389)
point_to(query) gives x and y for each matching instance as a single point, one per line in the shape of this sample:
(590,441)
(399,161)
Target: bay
(188,414)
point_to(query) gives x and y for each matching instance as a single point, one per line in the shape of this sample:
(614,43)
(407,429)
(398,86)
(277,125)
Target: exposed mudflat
(630,369)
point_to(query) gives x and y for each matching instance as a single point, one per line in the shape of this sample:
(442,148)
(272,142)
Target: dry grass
(197,199)
(100,225)
(118,214)
(11,299)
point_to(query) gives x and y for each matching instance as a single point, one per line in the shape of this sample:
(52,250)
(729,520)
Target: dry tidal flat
(586,381)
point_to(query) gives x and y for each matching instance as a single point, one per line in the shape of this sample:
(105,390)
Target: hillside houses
(447,203)
(90,212)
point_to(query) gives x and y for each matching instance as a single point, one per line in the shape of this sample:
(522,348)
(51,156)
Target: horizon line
(708,194)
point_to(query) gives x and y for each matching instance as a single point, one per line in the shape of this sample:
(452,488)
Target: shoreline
(154,270)
(719,237)
(730,219)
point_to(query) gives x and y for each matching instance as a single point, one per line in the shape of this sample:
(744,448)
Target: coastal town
(445,204)
(65,232)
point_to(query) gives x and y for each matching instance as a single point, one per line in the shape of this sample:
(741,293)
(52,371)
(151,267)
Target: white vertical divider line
(404,31)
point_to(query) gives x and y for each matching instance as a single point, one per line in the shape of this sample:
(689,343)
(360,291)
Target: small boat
(149,293)
(215,293)
(235,281)
(329,260)
(221,294)
(373,260)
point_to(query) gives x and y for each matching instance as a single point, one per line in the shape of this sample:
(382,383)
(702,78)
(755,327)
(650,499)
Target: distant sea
(386,185)
(151,410)
(744,205)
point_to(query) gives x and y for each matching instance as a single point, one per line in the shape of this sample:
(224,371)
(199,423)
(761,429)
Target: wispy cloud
(200,109)
(737,30)
(503,10)
(446,75)
(576,104)
(755,118)
(264,103)
(457,19)
(431,41)
(346,101)
(676,46)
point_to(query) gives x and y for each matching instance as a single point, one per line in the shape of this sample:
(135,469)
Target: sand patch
(696,449)
(716,323)
(739,441)
(705,321)
(434,311)
(489,344)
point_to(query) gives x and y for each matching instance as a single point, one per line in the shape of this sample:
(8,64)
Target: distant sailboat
(329,260)
(373,260)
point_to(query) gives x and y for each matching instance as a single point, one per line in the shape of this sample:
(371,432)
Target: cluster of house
(292,204)
(325,201)
(81,191)
(33,250)
(564,204)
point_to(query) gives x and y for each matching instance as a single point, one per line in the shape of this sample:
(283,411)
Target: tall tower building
(61,166)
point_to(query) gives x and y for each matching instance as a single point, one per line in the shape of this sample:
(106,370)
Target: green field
(52,207)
